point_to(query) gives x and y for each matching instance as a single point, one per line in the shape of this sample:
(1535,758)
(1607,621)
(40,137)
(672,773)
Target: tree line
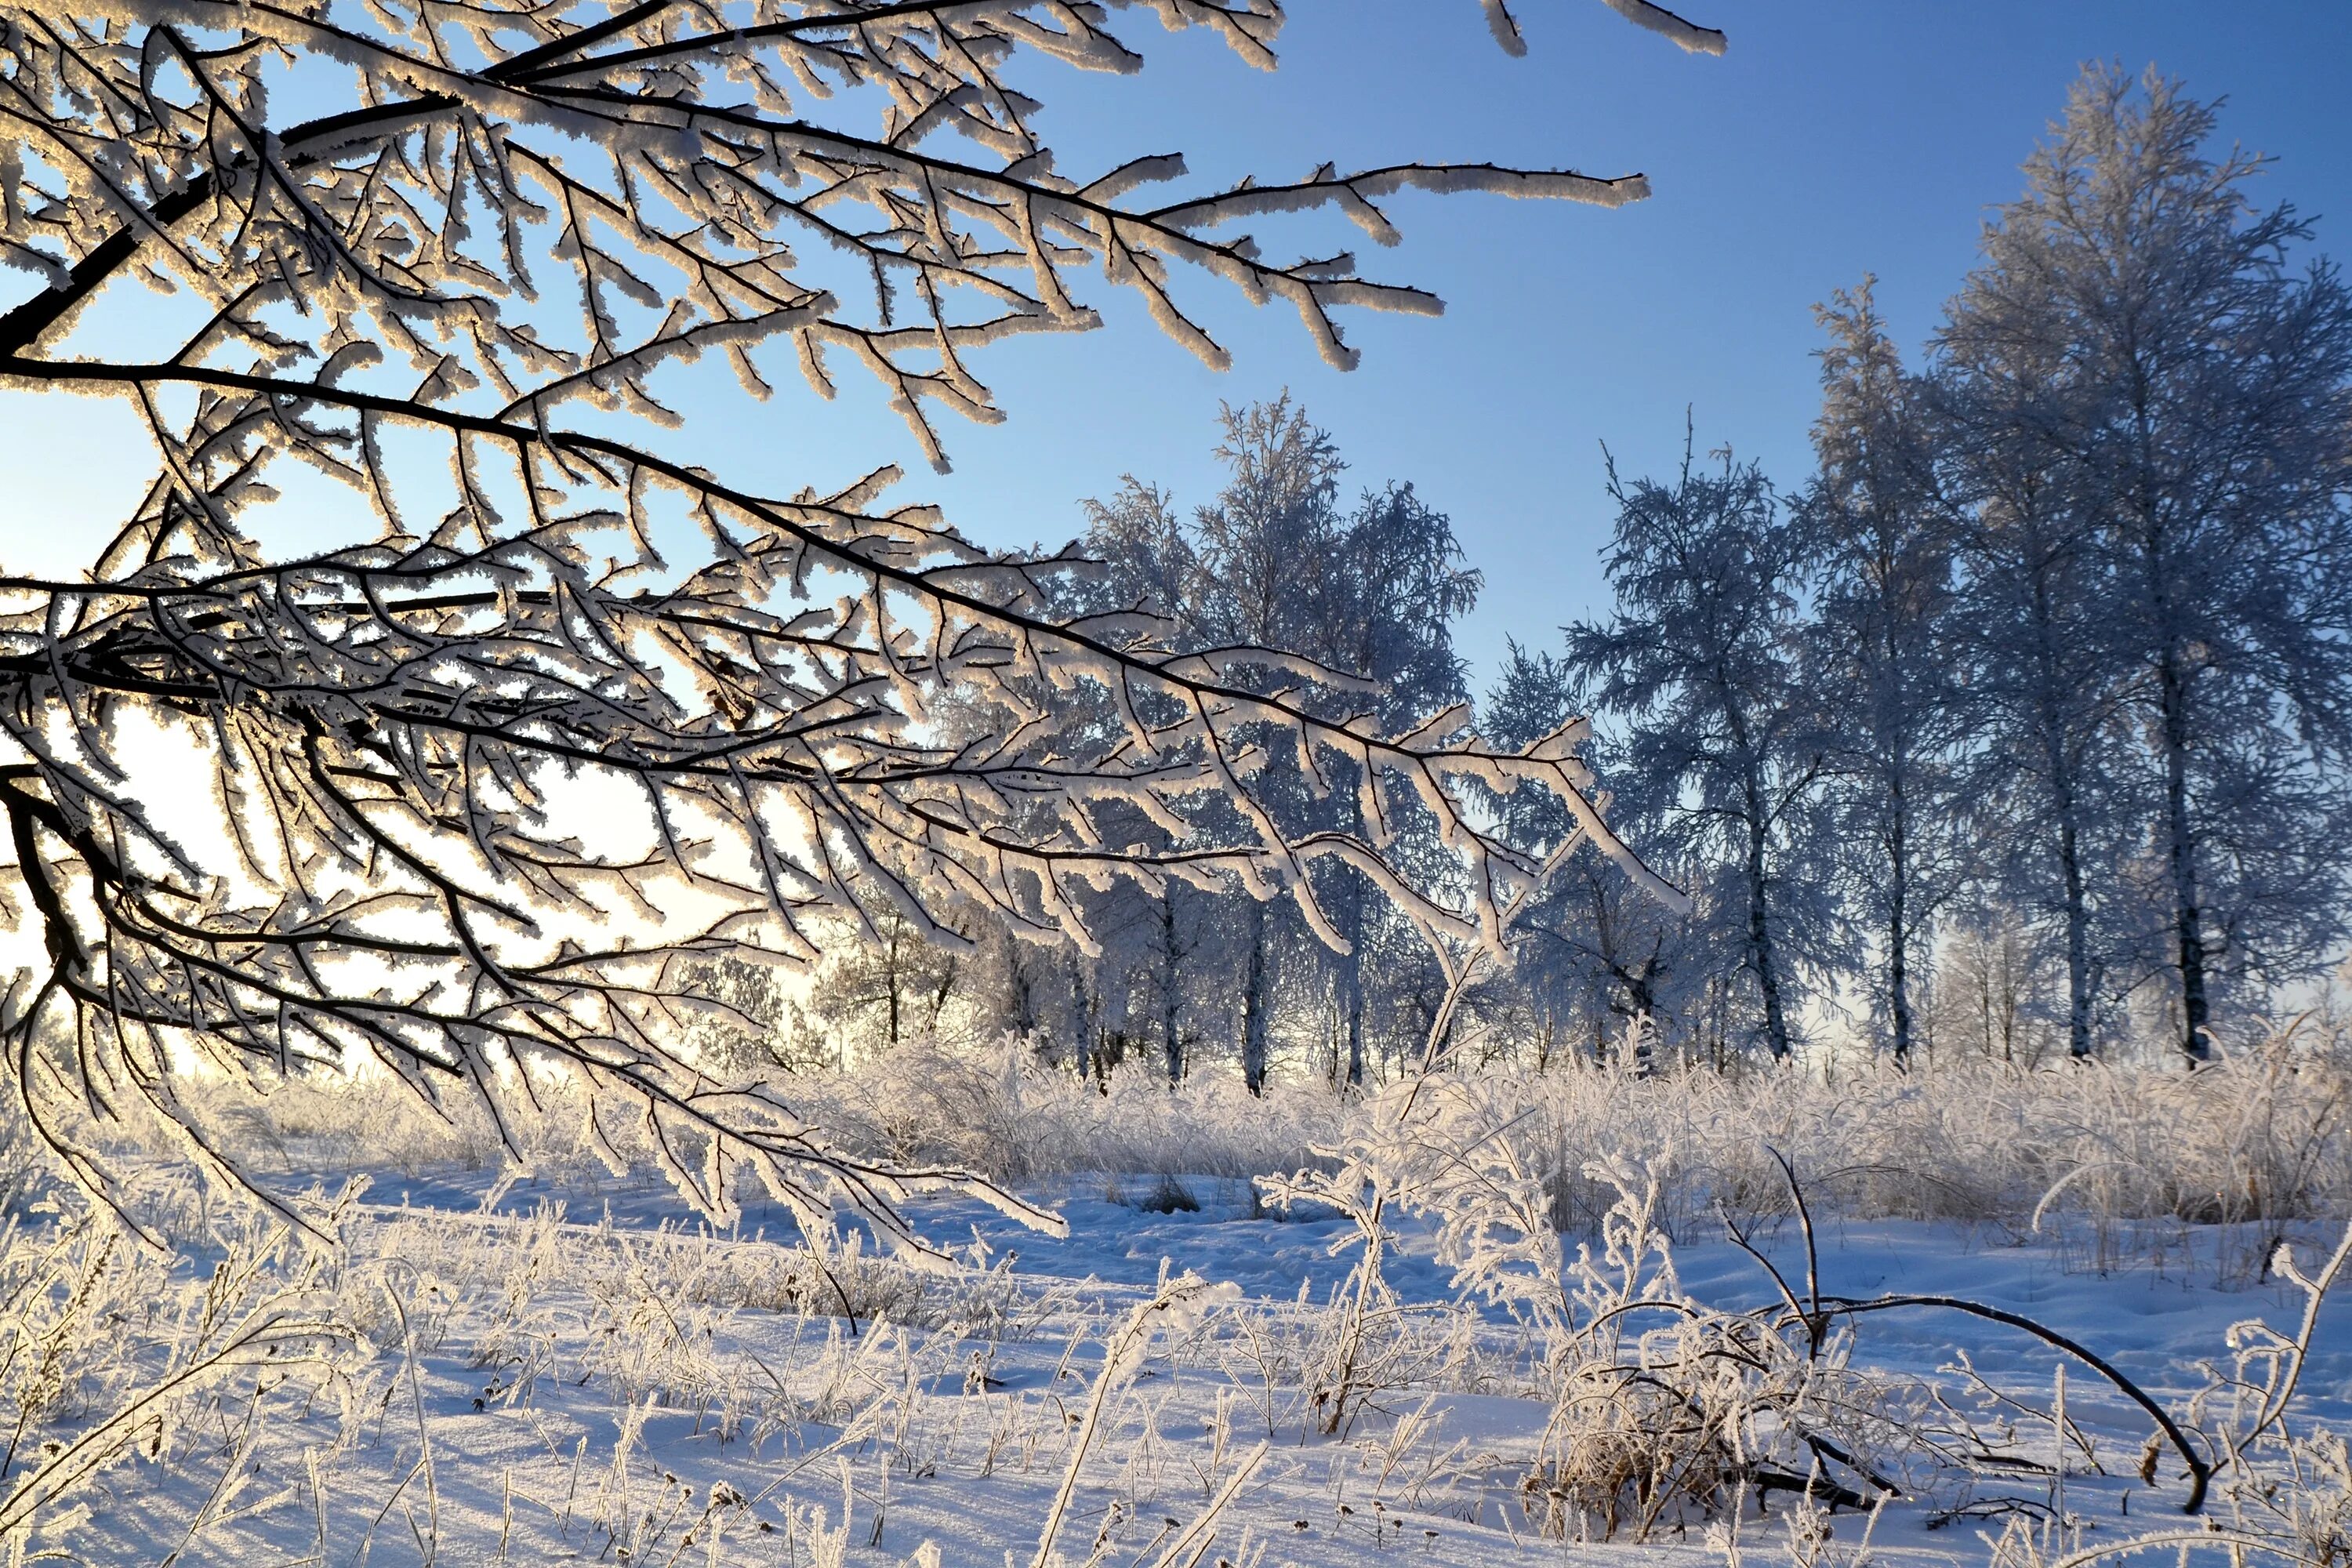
(2018,726)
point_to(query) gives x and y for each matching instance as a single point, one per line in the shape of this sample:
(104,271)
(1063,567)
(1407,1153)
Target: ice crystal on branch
(563,713)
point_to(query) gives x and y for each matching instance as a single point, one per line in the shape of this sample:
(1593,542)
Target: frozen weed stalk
(1180,1305)
(206,1365)
(461,833)
(645,1387)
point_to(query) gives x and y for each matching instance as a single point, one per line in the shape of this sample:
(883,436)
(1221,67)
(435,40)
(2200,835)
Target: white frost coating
(457,295)
(1504,26)
(1176,1311)
(1137,171)
(1694,38)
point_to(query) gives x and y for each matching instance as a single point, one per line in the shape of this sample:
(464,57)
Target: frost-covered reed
(2108,1153)
(691,1392)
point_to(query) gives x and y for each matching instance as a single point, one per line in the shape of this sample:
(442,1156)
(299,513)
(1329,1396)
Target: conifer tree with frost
(566,708)
(1701,667)
(2201,396)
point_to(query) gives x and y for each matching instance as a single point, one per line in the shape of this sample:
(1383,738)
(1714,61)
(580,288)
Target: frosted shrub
(1661,1411)
(2313,1511)
(1002,1111)
(1362,1187)
(1432,1149)
(1665,1411)
(2116,1159)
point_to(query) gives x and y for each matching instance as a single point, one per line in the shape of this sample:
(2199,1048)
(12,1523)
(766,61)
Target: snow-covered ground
(557,1375)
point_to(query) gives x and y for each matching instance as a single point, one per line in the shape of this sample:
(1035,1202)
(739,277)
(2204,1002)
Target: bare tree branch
(465,792)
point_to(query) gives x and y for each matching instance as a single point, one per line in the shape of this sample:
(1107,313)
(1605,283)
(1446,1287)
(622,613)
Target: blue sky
(1837,137)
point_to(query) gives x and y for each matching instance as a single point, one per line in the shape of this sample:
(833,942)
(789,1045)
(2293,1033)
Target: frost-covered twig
(2199,1469)
(461,795)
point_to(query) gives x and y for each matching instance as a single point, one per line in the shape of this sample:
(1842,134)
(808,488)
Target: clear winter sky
(1837,137)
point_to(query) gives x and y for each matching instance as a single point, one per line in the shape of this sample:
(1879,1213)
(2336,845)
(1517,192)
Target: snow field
(488,1369)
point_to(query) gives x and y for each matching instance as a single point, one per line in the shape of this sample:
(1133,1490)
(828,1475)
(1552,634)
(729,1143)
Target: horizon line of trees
(2022,721)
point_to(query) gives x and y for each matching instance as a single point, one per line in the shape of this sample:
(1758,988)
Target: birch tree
(1277,561)
(1701,667)
(1269,537)
(1884,647)
(2203,389)
(1149,563)
(2049,683)
(543,707)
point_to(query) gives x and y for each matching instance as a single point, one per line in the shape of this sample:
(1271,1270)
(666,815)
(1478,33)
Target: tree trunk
(2078,939)
(2172,708)
(1024,989)
(891,980)
(2066,808)
(1351,980)
(1760,931)
(1082,1009)
(1898,932)
(949,972)
(1171,1043)
(2173,694)
(1252,1005)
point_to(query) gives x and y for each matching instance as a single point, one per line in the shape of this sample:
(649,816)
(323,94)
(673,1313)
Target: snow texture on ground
(628,1421)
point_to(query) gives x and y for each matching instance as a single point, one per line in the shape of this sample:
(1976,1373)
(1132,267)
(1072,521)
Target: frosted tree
(1592,948)
(437,702)
(1279,507)
(1386,610)
(1148,561)
(1389,582)
(1701,663)
(2203,393)
(1994,987)
(1883,649)
(2049,685)
(1151,564)
(877,994)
